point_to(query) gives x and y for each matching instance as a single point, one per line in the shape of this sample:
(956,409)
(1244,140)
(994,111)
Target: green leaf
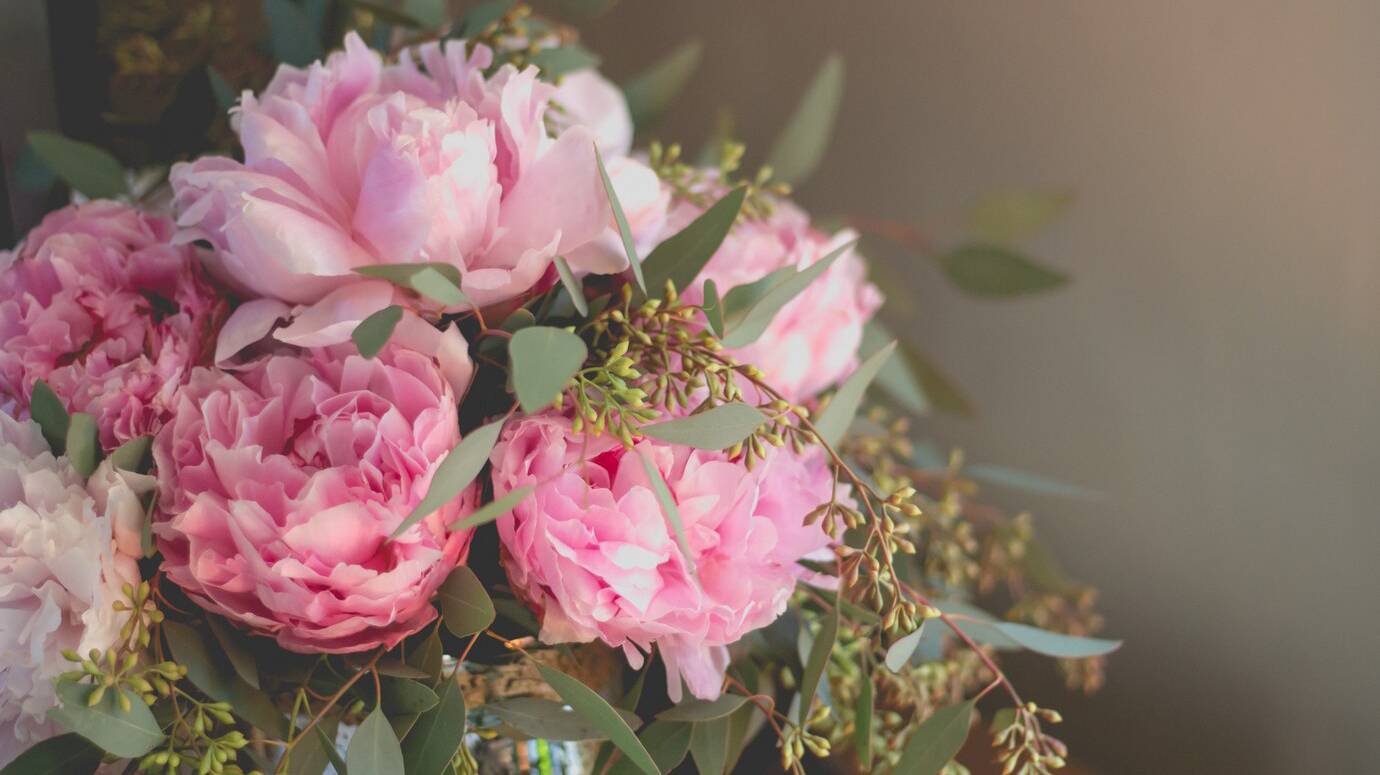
(31,173)
(834,420)
(1006,216)
(47,410)
(311,756)
(941,391)
(373,332)
(588,9)
(935,742)
(291,37)
(709,745)
(994,271)
(703,710)
(819,659)
(494,509)
(899,654)
(374,749)
(427,656)
(483,15)
(895,376)
(84,167)
(1053,644)
(543,361)
(83,446)
(573,286)
(800,147)
(744,323)
(619,217)
(719,427)
(431,13)
(1022,480)
(126,735)
(436,281)
(668,508)
(680,257)
(465,606)
(666,741)
(586,702)
(220,89)
(549,720)
(236,650)
(326,744)
(388,14)
(862,729)
(214,675)
(713,308)
(437,735)
(650,92)
(556,62)
(59,755)
(133,455)
(454,474)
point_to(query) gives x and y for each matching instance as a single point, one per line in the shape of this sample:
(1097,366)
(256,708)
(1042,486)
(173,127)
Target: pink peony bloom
(62,564)
(591,551)
(280,484)
(586,98)
(98,303)
(350,163)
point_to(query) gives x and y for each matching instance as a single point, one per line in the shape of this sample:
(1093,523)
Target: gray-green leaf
(494,509)
(236,650)
(455,473)
(437,735)
(84,167)
(465,606)
(590,705)
(291,36)
(895,376)
(549,720)
(709,745)
(83,446)
(436,281)
(620,218)
(719,427)
(713,308)
(899,654)
(47,410)
(573,286)
(836,417)
(556,62)
(374,749)
(745,323)
(668,508)
(703,710)
(373,332)
(1005,216)
(935,742)
(126,735)
(666,741)
(862,731)
(133,455)
(215,676)
(58,755)
(652,91)
(800,147)
(994,271)
(819,658)
(680,257)
(543,361)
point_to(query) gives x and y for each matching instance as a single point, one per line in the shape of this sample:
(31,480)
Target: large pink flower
(98,303)
(281,483)
(592,551)
(350,163)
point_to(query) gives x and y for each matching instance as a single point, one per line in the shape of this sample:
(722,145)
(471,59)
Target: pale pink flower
(586,98)
(61,572)
(99,304)
(593,553)
(350,163)
(281,483)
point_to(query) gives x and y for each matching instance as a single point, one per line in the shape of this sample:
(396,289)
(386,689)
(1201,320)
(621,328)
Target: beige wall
(1214,370)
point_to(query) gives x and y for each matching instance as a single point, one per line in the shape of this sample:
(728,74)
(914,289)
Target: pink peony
(98,303)
(594,555)
(280,484)
(350,163)
(586,98)
(65,553)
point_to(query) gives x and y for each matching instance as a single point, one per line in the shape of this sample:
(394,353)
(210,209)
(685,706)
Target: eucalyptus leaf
(709,745)
(59,755)
(898,656)
(620,218)
(937,740)
(84,167)
(549,720)
(1053,644)
(291,36)
(800,147)
(437,735)
(745,328)
(312,756)
(47,410)
(1005,216)
(494,509)
(666,741)
(668,508)
(1025,481)
(833,421)
(327,745)
(703,710)
(83,448)
(465,605)
(431,13)
(717,428)
(436,281)
(713,308)
(126,734)
(650,92)
(556,62)
(133,455)
(402,696)
(31,173)
(483,15)
(819,658)
(388,14)
(994,271)
(941,390)
(455,473)
(220,89)
(681,256)
(586,702)
(236,650)
(544,359)
(373,332)
(573,286)
(374,749)
(213,674)
(895,376)
(862,729)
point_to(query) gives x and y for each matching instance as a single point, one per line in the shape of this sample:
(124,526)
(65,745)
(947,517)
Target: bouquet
(437,430)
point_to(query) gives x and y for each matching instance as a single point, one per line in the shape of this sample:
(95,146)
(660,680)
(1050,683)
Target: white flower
(60,573)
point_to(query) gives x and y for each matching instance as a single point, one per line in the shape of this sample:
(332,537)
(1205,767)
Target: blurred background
(1212,371)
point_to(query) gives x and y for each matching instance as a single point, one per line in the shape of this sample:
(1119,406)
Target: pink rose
(280,484)
(350,163)
(592,552)
(99,304)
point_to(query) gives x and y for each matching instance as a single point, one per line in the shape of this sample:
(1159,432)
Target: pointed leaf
(236,650)
(403,696)
(709,745)
(436,281)
(482,15)
(374,749)
(936,741)
(713,308)
(327,745)
(680,257)
(1005,216)
(291,36)
(666,741)
(213,674)
(465,605)
(586,702)
(431,13)
(703,710)
(652,91)
(819,659)
(745,328)
(543,361)
(124,734)
(133,455)
(556,62)
(717,428)
(620,218)
(862,729)
(31,173)
(84,167)
(47,410)
(995,272)
(1023,480)
(494,509)
(455,473)
(388,14)
(895,376)
(549,720)
(220,88)
(668,508)
(59,755)
(1053,644)
(800,147)
(834,420)
(898,656)
(941,391)
(573,286)
(83,449)
(437,735)
(373,332)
